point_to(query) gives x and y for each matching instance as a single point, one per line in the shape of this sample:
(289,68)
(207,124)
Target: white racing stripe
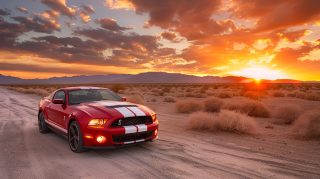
(129,142)
(141,140)
(56,126)
(130,129)
(142,127)
(125,112)
(137,111)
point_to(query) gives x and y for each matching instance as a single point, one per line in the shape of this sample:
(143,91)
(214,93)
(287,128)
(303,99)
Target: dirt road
(179,153)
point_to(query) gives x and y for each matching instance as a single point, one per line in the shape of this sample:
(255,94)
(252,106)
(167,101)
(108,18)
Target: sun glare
(259,73)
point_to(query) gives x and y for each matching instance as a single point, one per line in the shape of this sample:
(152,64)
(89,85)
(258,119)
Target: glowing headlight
(97,123)
(154,117)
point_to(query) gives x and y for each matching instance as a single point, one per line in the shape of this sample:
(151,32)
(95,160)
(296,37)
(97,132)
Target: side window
(59,95)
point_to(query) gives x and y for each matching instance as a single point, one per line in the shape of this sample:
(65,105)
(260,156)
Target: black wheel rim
(73,137)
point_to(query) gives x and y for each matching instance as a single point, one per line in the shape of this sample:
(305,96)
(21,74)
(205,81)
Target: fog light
(88,136)
(101,139)
(156,132)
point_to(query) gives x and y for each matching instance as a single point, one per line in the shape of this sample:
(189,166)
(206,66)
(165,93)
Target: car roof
(82,87)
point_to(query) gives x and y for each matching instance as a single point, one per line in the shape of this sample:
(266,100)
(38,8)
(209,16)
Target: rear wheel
(43,128)
(75,137)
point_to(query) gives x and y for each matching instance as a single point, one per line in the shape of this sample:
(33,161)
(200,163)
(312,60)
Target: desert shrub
(212,104)
(255,109)
(166,89)
(224,95)
(117,87)
(41,92)
(308,124)
(155,90)
(136,98)
(225,120)
(204,89)
(291,95)
(195,95)
(252,108)
(188,106)
(252,95)
(278,94)
(38,91)
(300,94)
(210,93)
(286,114)
(312,96)
(169,99)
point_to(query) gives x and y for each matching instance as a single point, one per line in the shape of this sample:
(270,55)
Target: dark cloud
(121,40)
(272,15)
(61,7)
(192,19)
(38,24)
(128,49)
(4,12)
(110,24)
(9,32)
(171,36)
(68,49)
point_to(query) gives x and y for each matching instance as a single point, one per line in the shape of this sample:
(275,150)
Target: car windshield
(89,95)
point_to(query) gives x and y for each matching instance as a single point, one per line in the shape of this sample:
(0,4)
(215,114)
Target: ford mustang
(92,117)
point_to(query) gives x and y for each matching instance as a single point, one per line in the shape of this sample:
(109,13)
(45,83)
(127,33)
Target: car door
(57,112)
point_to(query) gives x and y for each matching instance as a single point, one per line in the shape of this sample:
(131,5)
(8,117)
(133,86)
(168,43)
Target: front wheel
(75,137)
(43,128)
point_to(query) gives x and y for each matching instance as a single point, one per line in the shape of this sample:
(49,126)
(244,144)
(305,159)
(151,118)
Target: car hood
(114,109)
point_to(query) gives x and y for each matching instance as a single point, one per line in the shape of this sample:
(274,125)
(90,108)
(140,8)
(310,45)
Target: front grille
(129,121)
(132,137)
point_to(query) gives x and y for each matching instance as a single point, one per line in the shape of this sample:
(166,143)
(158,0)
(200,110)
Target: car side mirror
(58,101)
(124,98)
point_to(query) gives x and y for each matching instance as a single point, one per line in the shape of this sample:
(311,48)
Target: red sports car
(96,117)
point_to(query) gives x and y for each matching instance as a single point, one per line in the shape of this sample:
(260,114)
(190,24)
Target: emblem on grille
(119,122)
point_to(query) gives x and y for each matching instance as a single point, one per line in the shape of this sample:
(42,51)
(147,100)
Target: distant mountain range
(149,77)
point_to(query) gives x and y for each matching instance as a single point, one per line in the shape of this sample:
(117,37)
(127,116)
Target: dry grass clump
(312,96)
(136,98)
(224,95)
(169,100)
(308,124)
(212,104)
(286,114)
(194,95)
(117,87)
(229,121)
(253,95)
(278,94)
(188,106)
(38,91)
(252,108)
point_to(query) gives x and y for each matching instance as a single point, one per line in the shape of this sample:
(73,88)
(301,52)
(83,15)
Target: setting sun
(259,73)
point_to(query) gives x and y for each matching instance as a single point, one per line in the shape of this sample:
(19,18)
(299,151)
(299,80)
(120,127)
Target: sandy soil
(179,152)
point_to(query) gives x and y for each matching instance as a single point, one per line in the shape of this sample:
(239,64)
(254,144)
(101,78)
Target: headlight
(97,123)
(154,117)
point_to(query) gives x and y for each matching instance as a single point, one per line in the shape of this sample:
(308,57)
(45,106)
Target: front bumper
(120,135)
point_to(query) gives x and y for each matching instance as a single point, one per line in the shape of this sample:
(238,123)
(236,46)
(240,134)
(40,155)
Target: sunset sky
(268,39)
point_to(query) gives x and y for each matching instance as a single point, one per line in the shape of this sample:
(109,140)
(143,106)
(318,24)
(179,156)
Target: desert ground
(206,131)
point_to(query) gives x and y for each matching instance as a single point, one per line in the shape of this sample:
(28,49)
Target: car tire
(75,137)
(43,128)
